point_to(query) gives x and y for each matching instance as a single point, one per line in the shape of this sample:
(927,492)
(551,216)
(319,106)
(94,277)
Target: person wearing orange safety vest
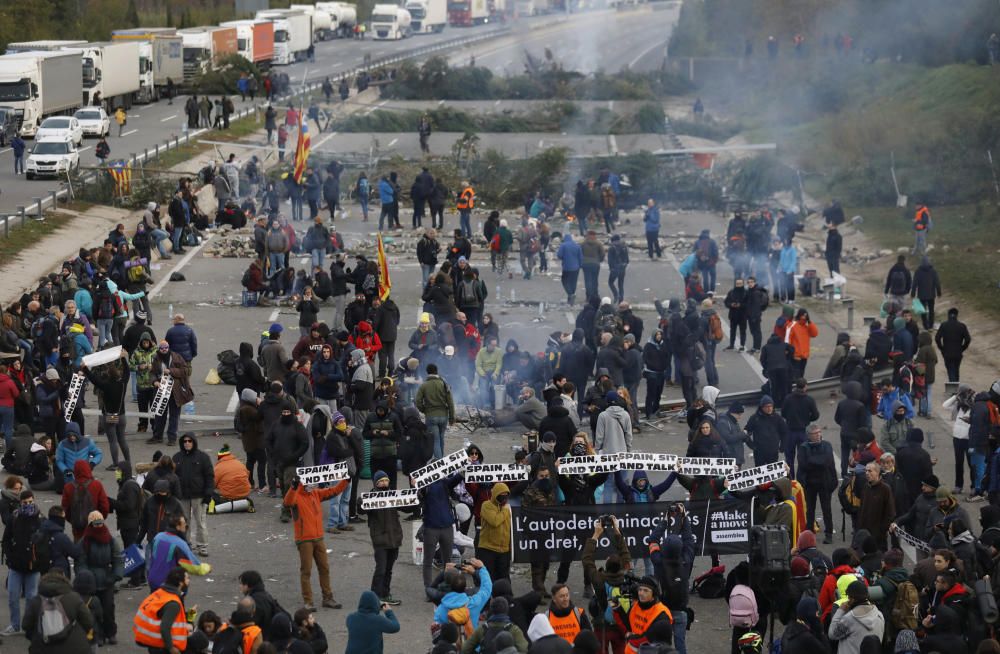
(646,616)
(566,620)
(466,203)
(241,631)
(161,623)
(921,225)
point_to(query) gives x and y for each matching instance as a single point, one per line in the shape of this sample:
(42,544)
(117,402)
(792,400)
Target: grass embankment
(966,250)
(33,231)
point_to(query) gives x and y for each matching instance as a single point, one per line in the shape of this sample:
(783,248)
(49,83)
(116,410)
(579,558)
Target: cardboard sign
(389,499)
(492,473)
(104,356)
(752,477)
(313,475)
(589,464)
(649,461)
(705,466)
(438,470)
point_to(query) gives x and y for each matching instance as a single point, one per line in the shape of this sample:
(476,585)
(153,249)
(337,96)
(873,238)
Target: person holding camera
(647,615)
(305,506)
(855,619)
(673,555)
(454,604)
(366,625)
(611,602)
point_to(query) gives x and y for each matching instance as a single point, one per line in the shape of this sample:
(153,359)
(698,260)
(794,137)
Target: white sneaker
(10,631)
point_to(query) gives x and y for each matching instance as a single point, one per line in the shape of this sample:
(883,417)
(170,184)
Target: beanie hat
(503,640)
(906,641)
(865,435)
(736,408)
(499,606)
(224,450)
(806,540)
(650,583)
(765,400)
(449,632)
(549,437)
(800,566)
(275,328)
(613,397)
(893,558)
(931,481)
(379,474)
(857,591)
(95,516)
(336,417)
(161,486)
(52,374)
(248,395)
(943,493)
(629,338)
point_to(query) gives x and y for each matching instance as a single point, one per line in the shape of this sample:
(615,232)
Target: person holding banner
(387,537)
(383,429)
(438,525)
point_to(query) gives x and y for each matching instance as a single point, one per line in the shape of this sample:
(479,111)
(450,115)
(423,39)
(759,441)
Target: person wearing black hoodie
(944,631)
(61,546)
(157,510)
(128,505)
(913,462)
(776,360)
(806,634)
(197,476)
(656,358)
(283,636)
(608,581)
(112,381)
(736,302)
(248,373)
(576,359)
(851,415)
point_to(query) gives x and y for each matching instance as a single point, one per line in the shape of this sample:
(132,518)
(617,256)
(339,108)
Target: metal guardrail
(37,208)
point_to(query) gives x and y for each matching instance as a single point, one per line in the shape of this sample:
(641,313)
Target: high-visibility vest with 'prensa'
(146,625)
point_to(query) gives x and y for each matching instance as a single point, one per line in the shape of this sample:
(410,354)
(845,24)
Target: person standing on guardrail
(17,145)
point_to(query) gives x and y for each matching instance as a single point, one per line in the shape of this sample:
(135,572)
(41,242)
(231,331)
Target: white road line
(85,149)
(392,142)
(612,144)
(324,140)
(274,315)
(441,103)
(163,120)
(5,150)
(541,142)
(611,105)
(644,53)
(233,402)
(177,267)
(131,131)
(497,103)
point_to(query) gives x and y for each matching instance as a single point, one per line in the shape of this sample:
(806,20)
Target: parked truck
(204,47)
(41,46)
(324,26)
(110,73)
(161,58)
(37,85)
(254,40)
(293,34)
(427,15)
(390,22)
(343,15)
(466,13)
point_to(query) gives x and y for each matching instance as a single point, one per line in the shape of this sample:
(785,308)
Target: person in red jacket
(307,509)
(84,482)
(365,339)
(8,393)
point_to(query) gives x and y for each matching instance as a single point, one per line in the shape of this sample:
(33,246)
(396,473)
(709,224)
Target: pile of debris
(236,244)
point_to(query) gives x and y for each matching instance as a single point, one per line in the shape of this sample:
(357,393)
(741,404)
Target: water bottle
(170,311)
(189,408)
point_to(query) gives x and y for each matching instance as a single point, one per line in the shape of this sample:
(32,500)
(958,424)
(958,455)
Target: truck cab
(390,22)
(10,123)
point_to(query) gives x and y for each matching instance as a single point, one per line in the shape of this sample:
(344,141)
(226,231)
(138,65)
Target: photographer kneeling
(673,557)
(611,602)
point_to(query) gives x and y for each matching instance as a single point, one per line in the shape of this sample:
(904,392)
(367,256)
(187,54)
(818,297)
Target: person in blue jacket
(457,598)
(366,625)
(387,196)
(439,520)
(80,343)
(651,219)
(639,491)
(572,260)
(788,266)
(76,447)
(168,549)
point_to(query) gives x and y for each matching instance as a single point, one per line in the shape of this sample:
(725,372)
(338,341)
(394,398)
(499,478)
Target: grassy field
(32,232)
(966,250)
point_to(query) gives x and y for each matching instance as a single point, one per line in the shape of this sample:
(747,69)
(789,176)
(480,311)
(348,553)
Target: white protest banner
(906,538)
(312,475)
(751,477)
(589,464)
(705,466)
(437,470)
(389,499)
(492,473)
(104,356)
(649,461)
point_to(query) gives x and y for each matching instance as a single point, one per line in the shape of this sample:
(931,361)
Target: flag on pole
(384,283)
(121,174)
(301,148)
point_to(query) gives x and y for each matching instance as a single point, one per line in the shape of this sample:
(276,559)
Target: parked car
(60,127)
(52,157)
(94,121)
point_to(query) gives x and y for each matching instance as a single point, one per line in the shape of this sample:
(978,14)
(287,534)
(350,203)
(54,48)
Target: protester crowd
(351,391)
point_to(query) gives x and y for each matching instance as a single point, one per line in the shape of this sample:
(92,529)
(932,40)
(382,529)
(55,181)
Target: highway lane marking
(163,120)
(177,267)
(85,149)
(325,139)
(644,53)
(441,103)
(497,103)
(274,315)
(392,142)
(612,144)
(541,142)
(131,131)
(611,105)
(233,403)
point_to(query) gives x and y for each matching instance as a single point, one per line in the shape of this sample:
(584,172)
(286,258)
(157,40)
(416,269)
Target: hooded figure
(366,626)
(83,482)
(494,538)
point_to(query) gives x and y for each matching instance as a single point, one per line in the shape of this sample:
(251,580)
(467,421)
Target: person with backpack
(81,496)
(56,620)
(484,638)
(53,547)
(105,311)
(101,555)
(22,557)
(899,595)
(898,282)
(706,252)
(855,619)
(673,557)
(243,634)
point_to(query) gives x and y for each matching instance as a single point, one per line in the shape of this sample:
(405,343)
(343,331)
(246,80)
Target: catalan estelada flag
(302,149)
(384,283)
(121,174)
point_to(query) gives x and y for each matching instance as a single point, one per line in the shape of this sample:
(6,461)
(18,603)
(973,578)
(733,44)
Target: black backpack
(104,302)
(41,552)
(228,641)
(488,643)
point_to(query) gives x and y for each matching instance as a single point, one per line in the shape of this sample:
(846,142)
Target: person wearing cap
(101,555)
(170,363)
(646,616)
(197,478)
(878,507)
(273,354)
(818,476)
(767,431)
(854,619)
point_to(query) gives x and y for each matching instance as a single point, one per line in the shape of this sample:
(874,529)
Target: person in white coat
(855,619)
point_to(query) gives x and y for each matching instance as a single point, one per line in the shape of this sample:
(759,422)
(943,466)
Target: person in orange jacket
(798,334)
(305,504)
(921,225)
